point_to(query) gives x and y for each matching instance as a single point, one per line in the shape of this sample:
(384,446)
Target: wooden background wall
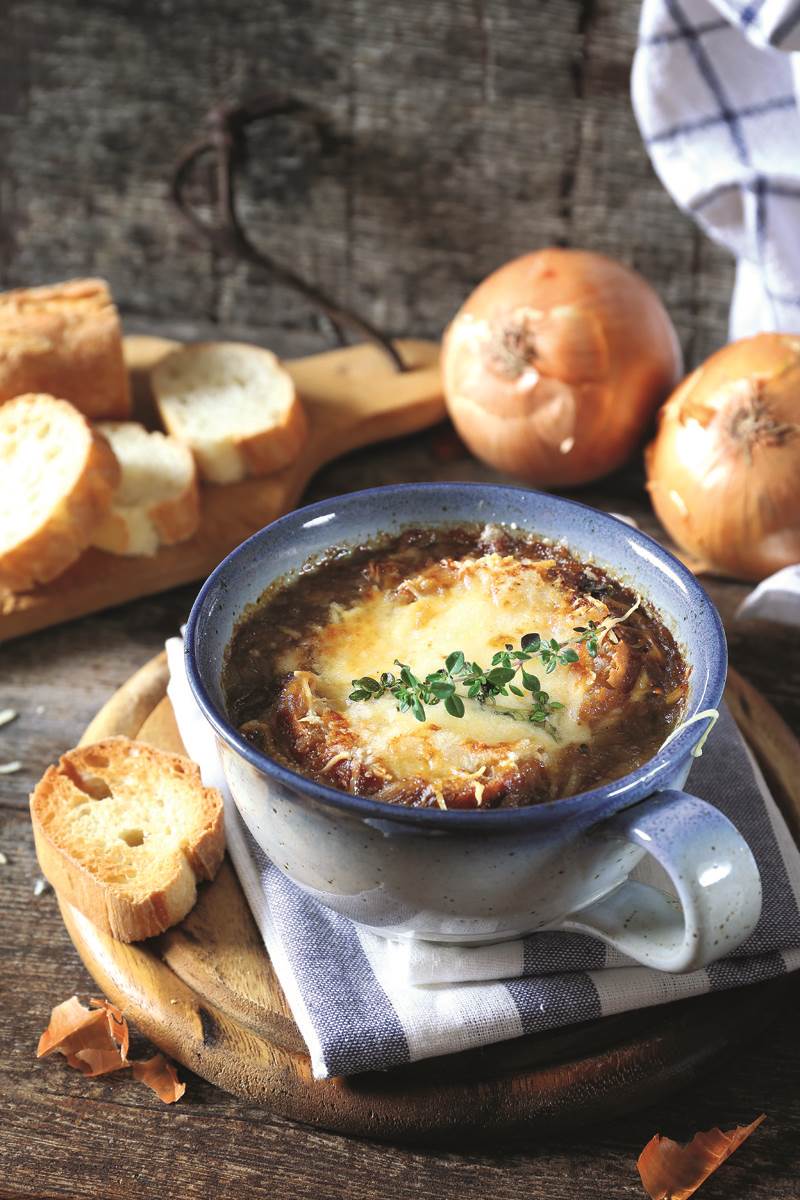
(459,133)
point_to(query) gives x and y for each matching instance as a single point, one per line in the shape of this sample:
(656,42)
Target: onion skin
(724,468)
(555,364)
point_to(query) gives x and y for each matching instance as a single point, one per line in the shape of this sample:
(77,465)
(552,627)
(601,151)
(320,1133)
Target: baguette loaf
(58,476)
(157,501)
(234,405)
(124,832)
(64,339)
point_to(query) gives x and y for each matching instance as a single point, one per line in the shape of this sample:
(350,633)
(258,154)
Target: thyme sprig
(485,685)
(479,683)
(589,634)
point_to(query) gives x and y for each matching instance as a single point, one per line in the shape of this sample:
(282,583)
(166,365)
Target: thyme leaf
(441,687)
(485,684)
(448,684)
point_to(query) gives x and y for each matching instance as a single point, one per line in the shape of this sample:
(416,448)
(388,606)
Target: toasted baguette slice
(124,831)
(64,339)
(234,404)
(58,476)
(157,501)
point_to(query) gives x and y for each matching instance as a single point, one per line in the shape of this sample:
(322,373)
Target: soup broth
(456,667)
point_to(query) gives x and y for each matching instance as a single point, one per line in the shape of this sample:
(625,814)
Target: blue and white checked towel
(715,91)
(364,1003)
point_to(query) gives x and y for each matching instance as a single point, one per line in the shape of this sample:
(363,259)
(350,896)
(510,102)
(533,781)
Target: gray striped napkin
(365,1003)
(715,88)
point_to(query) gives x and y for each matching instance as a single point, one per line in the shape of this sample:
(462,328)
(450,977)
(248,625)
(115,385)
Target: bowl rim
(620,792)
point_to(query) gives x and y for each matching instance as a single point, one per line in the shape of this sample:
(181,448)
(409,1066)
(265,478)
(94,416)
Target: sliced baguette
(234,405)
(157,501)
(58,476)
(64,339)
(124,832)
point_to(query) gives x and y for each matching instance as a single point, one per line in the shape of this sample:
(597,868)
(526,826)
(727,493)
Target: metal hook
(226,139)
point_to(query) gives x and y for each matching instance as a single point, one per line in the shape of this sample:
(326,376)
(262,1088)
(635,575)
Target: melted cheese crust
(474,604)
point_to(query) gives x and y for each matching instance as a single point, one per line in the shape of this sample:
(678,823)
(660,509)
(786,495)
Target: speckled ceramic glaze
(472,876)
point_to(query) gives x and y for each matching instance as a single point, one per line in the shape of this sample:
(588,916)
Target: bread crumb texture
(234,404)
(157,501)
(58,477)
(124,832)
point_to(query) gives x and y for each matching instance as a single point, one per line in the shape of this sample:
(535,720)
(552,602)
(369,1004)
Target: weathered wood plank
(210,972)
(457,134)
(105,1139)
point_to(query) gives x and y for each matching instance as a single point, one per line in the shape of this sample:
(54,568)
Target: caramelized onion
(555,364)
(724,468)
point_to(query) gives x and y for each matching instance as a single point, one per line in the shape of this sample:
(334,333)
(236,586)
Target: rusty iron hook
(226,140)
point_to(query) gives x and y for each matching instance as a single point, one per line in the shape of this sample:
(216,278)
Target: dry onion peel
(724,468)
(66,1020)
(95,1041)
(555,364)
(670,1171)
(160,1075)
(117,1025)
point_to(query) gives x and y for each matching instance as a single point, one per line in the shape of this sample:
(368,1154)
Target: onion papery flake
(670,1171)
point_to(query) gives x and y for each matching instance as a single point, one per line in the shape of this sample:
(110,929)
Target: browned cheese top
(414,599)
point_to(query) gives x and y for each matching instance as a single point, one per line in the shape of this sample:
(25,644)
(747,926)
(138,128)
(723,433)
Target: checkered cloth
(363,1002)
(715,92)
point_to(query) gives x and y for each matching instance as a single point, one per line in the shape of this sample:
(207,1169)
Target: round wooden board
(205,992)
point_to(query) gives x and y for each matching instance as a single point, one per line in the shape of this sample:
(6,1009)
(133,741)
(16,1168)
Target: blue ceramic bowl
(476,875)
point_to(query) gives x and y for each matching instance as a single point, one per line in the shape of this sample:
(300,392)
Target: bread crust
(261,453)
(100,901)
(113,535)
(178,517)
(279,446)
(64,339)
(174,519)
(66,531)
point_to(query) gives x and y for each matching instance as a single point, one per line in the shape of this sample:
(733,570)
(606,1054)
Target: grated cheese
(337,758)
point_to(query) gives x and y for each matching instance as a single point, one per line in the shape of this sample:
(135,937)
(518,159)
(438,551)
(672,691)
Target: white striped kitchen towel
(715,91)
(365,1003)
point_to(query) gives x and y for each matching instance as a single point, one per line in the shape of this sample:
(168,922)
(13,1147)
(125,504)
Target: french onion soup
(458,667)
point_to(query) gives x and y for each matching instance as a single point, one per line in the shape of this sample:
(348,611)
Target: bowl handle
(712,871)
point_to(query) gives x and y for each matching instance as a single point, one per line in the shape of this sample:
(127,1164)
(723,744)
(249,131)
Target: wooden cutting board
(353,397)
(205,992)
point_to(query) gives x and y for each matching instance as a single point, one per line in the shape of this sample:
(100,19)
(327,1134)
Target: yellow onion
(555,365)
(724,468)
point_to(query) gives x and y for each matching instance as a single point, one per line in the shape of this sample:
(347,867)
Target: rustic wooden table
(62,1135)
(457,134)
